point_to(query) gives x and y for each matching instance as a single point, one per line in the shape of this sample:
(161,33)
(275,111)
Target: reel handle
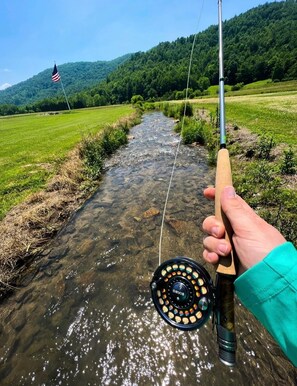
(226,270)
(226,264)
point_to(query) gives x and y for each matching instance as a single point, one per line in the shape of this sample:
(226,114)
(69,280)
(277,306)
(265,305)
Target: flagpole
(65,95)
(56,77)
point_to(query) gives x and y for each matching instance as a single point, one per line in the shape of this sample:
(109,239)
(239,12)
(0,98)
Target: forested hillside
(259,44)
(75,76)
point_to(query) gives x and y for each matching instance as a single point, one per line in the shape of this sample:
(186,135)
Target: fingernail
(222,249)
(230,192)
(215,231)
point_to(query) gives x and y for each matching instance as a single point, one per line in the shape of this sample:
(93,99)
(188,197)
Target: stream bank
(84,315)
(30,226)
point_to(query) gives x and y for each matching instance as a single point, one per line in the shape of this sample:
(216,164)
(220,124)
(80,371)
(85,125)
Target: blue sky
(36,33)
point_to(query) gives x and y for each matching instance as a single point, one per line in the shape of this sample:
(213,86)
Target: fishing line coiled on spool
(183,293)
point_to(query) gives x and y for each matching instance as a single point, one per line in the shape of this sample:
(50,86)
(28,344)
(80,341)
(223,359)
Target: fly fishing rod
(182,290)
(226,271)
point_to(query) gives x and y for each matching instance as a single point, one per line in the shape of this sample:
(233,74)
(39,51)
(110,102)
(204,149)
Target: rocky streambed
(84,315)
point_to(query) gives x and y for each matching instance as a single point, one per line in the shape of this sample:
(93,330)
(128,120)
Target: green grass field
(265,180)
(259,87)
(32,146)
(274,114)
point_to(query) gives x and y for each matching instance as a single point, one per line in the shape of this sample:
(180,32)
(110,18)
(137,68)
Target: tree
(137,99)
(278,71)
(203,83)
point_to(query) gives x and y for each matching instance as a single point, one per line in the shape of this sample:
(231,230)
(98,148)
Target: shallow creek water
(84,314)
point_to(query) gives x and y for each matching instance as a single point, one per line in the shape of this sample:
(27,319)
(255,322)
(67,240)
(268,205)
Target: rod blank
(222,81)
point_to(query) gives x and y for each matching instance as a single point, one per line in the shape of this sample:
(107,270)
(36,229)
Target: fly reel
(183,293)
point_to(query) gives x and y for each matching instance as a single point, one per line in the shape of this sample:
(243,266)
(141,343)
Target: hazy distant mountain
(75,76)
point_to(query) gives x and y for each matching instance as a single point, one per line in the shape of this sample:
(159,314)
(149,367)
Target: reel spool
(183,293)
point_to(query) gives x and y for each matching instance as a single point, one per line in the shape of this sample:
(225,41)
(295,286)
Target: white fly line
(180,138)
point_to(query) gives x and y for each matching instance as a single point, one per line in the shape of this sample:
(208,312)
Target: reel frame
(183,293)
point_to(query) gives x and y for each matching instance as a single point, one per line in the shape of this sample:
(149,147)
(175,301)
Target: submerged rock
(152,212)
(178,226)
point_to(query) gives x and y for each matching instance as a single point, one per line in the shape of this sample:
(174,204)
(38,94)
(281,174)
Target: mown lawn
(259,87)
(273,114)
(32,146)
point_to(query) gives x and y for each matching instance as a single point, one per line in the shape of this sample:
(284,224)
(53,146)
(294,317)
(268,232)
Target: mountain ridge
(258,44)
(40,86)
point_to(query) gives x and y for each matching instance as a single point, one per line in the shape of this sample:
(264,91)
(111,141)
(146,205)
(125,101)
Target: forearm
(269,291)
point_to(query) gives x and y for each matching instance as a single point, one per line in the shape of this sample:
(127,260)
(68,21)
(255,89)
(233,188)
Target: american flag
(55,75)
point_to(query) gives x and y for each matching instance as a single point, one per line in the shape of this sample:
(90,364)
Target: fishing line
(182,290)
(180,138)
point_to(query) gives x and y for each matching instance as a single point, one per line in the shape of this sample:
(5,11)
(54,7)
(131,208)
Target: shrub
(149,106)
(212,143)
(112,139)
(179,95)
(177,111)
(91,152)
(186,109)
(264,147)
(95,148)
(136,99)
(288,164)
(193,131)
(237,86)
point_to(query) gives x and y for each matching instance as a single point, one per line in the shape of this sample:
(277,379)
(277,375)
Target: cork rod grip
(224,178)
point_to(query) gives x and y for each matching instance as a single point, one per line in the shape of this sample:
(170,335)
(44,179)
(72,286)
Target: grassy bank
(28,226)
(274,114)
(33,146)
(262,141)
(259,87)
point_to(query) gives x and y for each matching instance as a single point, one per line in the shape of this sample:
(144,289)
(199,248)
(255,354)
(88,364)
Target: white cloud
(4,86)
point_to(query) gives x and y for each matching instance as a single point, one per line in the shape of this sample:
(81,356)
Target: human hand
(253,237)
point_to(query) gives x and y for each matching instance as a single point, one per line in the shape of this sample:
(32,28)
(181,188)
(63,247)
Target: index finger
(209,193)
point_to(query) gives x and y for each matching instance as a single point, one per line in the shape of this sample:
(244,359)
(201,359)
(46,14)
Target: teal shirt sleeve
(269,291)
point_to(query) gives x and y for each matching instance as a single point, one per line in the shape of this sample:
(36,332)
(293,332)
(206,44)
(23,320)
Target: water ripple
(87,317)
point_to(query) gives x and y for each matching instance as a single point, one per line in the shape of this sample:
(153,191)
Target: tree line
(76,77)
(259,44)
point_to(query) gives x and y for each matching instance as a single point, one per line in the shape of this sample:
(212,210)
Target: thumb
(239,213)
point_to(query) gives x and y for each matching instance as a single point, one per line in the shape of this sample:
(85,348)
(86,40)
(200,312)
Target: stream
(84,315)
